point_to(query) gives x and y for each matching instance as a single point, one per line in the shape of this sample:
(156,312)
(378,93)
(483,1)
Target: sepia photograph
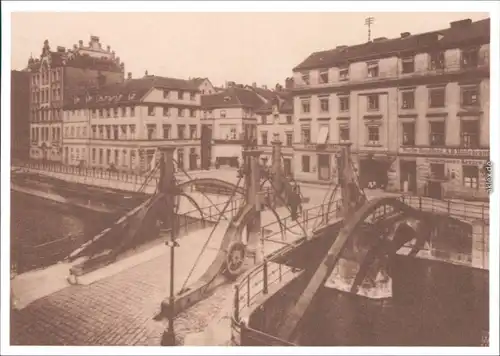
(219,174)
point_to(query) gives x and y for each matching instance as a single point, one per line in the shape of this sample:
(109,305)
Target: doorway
(408,176)
(323,167)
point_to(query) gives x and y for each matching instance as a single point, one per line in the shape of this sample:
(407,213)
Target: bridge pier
(251,159)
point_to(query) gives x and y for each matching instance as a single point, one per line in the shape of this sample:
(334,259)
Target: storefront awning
(323,135)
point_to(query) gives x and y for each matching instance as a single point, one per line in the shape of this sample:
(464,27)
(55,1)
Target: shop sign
(473,162)
(443,160)
(446,151)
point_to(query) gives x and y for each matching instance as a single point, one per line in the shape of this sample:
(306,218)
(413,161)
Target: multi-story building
(57,74)
(20,114)
(228,119)
(275,123)
(415,110)
(122,125)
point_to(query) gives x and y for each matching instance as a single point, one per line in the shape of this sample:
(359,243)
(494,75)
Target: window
(192,112)
(72,131)
(123,132)
(116,157)
(306,106)
(436,60)
(151,128)
(84,132)
(344,103)
(223,113)
(289,139)
(323,76)
(263,119)
(151,111)
(115,112)
(264,137)
(372,101)
(192,96)
(101,113)
(407,100)
(165,94)
(306,163)
(166,131)
(93,155)
(232,134)
(181,112)
(323,134)
(324,104)
(437,170)
(132,111)
(108,112)
(344,74)
(101,155)
(408,65)
(305,78)
(123,111)
(344,134)
(437,134)
(192,132)
(101,131)
(289,120)
(470,58)
(132,131)
(181,132)
(373,135)
(469,133)
(166,111)
(471,176)
(470,96)
(115,132)
(108,132)
(305,135)
(180,95)
(436,98)
(409,134)
(373,70)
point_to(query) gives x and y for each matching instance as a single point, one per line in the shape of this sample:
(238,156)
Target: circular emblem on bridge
(235,259)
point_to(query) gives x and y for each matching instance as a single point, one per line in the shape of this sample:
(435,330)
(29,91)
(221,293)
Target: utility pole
(369,22)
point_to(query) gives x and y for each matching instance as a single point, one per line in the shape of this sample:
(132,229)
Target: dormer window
(131,96)
(373,70)
(408,65)
(323,76)
(470,58)
(344,74)
(436,60)
(180,95)
(305,78)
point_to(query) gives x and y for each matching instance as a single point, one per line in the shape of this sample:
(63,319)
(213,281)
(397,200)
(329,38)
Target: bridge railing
(457,209)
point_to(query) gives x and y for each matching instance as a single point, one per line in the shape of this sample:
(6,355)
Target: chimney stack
(113,54)
(254,85)
(146,73)
(129,75)
(460,23)
(108,48)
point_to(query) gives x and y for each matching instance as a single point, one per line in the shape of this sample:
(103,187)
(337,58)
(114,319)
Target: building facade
(228,119)
(20,114)
(56,75)
(275,123)
(415,110)
(120,126)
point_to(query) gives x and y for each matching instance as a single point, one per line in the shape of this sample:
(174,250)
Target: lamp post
(168,189)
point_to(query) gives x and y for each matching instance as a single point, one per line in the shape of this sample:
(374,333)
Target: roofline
(420,49)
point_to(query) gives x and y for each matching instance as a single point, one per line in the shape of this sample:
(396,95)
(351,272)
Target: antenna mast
(369,22)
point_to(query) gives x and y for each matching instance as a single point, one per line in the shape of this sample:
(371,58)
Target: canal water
(44,232)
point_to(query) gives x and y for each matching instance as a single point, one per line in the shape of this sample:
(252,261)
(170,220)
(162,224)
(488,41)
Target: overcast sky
(242,47)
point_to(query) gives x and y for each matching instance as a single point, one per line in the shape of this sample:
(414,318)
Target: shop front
(374,170)
(448,174)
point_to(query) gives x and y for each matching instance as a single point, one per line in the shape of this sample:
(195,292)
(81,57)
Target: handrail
(256,282)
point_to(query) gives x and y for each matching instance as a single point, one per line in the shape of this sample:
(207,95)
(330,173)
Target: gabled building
(204,85)
(228,119)
(415,109)
(121,125)
(58,74)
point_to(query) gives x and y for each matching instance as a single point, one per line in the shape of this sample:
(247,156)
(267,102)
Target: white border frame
(235,6)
